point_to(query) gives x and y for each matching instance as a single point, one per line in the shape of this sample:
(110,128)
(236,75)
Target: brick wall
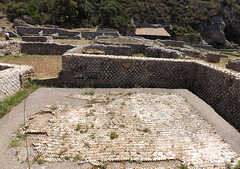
(12,78)
(219,87)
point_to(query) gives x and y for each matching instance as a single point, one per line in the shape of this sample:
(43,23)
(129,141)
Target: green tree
(111,15)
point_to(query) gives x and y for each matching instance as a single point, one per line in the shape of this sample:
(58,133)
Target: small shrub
(66,157)
(40,161)
(146,130)
(77,158)
(113,135)
(183,166)
(89,93)
(237,166)
(15,142)
(78,127)
(92,136)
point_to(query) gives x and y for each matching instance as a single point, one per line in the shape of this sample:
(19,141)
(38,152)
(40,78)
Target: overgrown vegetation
(7,104)
(117,14)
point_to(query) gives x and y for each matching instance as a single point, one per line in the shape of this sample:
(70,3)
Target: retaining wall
(39,48)
(13,78)
(219,87)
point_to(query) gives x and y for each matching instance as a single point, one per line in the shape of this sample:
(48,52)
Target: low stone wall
(112,49)
(37,38)
(234,64)
(13,78)
(161,52)
(21,30)
(171,43)
(46,48)
(9,47)
(219,87)
(213,57)
(136,47)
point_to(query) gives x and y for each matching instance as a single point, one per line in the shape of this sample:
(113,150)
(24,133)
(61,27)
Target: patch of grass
(236,166)
(146,130)
(41,161)
(89,93)
(19,134)
(113,135)
(7,104)
(183,166)
(129,93)
(78,127)
(91,113)
(66,157)
(77,158)
(86,144)
(122,126)
(82,129)
(92,101)
(88,106)
(64,136)
(92,136)
(15,142)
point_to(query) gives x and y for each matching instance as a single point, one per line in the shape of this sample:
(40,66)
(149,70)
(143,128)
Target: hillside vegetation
(117,14)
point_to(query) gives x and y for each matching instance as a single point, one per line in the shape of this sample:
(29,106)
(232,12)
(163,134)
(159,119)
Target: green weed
(113,135)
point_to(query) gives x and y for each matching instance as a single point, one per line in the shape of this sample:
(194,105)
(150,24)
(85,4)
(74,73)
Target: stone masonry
(44,48)
(234,64)
(9,47)
(218,87)
(37,38)
(13,78)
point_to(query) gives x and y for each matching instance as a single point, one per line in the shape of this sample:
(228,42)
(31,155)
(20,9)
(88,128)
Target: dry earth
(121,130)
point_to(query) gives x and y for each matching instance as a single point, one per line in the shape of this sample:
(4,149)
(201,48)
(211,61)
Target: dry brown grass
(44,65)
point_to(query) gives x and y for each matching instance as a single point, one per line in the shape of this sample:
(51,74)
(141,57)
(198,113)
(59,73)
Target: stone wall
(112,49)
(234,64)
(136,47)
(37,38)
(13,78)
(9,47)
(44,48)
(21,30)
(171,43)
(219,87)
(161,52)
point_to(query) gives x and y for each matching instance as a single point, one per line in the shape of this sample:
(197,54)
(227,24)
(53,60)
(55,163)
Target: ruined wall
(219,87)
(234,64)
(12,78)
(21,30)
(39,48)
(9,47)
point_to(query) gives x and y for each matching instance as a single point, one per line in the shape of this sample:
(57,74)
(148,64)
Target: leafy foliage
(117,14)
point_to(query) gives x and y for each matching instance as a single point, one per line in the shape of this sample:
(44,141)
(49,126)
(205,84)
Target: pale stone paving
(148,127)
